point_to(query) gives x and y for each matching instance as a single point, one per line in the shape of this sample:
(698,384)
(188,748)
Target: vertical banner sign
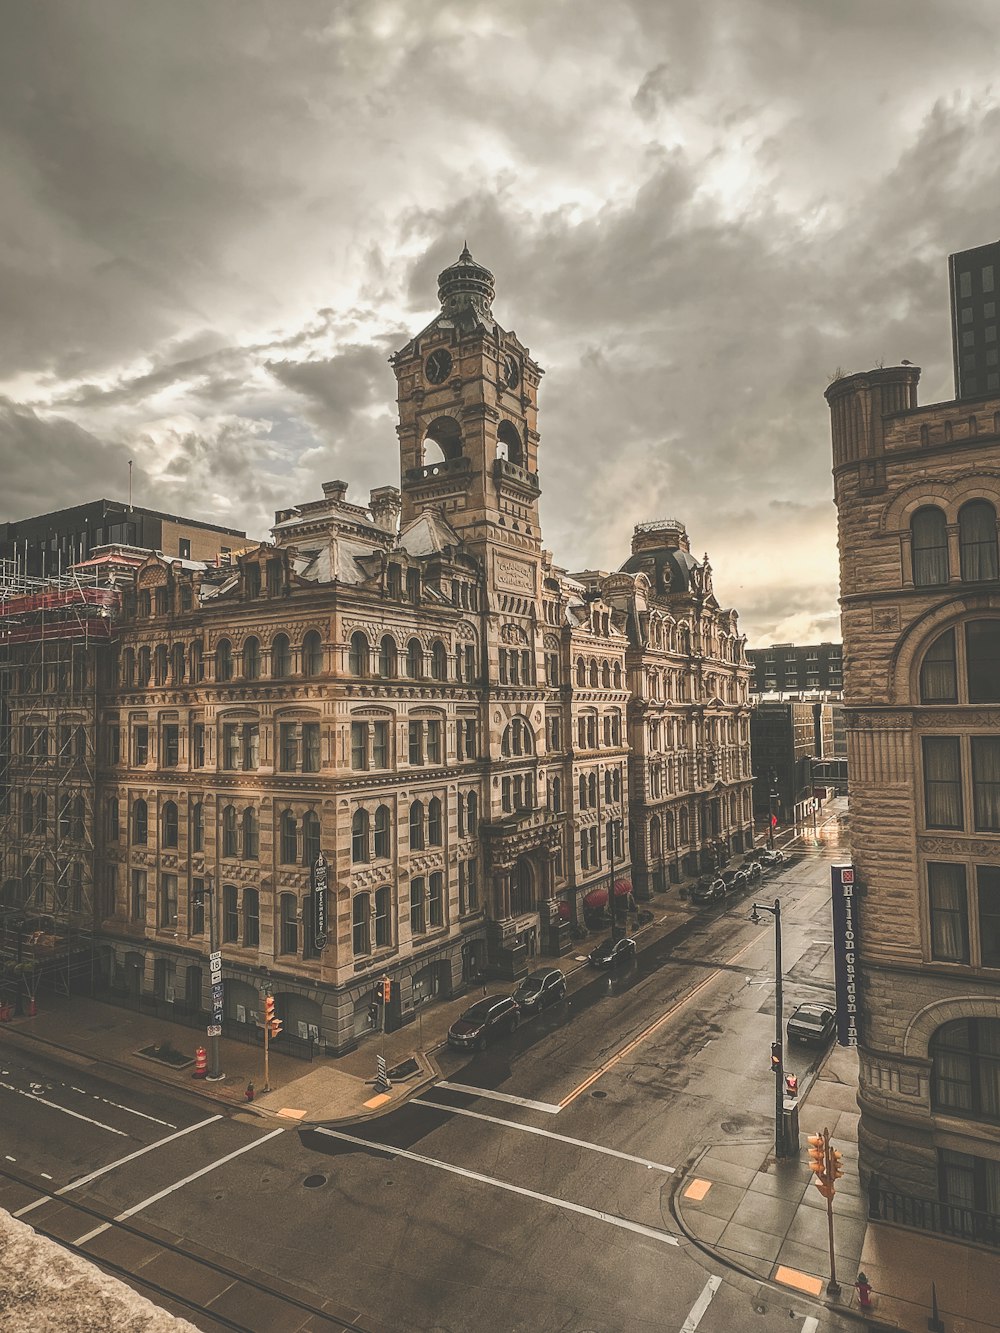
(845,940)
(319,884)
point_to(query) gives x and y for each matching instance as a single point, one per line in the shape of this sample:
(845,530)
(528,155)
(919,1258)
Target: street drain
(598,1095)
(314,1182)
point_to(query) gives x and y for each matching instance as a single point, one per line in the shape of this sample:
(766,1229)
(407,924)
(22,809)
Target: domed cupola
(466,284)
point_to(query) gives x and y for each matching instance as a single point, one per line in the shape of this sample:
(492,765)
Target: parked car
(613,952)
(752,870)
(486,1019)
(811,1024)
(768,858)
(709,889)
(539,989)
(734,880)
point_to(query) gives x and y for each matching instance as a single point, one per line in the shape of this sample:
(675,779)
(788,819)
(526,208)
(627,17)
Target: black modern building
(49,543)
(786,668)
(974,276)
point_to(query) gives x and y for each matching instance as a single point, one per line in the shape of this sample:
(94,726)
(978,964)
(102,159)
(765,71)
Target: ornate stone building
(473,738)
(918,492)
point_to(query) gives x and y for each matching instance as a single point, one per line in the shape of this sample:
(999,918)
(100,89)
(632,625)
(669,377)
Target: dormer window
(251,580)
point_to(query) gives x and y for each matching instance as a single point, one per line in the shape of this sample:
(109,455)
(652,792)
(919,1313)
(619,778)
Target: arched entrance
(522,889)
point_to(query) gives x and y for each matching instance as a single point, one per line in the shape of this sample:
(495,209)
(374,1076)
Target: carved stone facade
(918,493)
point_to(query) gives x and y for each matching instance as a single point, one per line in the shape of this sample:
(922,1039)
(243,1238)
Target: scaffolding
(55,631)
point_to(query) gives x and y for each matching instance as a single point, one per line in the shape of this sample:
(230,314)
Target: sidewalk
(326,1090)
(767,1220)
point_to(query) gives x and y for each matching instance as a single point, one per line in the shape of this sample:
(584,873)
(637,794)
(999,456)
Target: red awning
(564,910)
(599,897)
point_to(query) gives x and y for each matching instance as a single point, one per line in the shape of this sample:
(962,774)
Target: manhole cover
(599,1095)
(314,1182)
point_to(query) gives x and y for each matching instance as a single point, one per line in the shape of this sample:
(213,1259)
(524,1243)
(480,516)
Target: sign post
(845,940)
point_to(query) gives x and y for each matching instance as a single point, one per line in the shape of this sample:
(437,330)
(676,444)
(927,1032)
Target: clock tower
(468,404)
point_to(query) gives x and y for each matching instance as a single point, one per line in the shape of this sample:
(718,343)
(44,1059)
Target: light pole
(777,1049)
(612,825)
(215,975)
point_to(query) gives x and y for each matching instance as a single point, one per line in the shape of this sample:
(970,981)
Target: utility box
(790,1125)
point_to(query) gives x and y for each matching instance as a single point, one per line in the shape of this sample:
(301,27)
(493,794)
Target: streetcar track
(200,1261)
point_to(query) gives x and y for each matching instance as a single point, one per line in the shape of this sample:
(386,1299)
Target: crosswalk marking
(545,1133)
(810,1325)
(664,1237)
(548,1107)
(701,1304)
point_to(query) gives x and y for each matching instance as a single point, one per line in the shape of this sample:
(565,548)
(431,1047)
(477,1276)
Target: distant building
(49,543)
(787,739)
(974,277)
(787,668)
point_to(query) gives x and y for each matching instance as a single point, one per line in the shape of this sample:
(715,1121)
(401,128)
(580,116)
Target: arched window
(126,673)
(414,660)
(360,922)
(197,827)
(197,662)
(251,658)
(251,919)
(509,444)
(160,664)
(169,821)
(583,791)
(471,813)
(140,823)
(684,833)
(416,827)
(251,834)
(143,668)
(312,654)
(965,1080)
(359,835)
(310,838)
(383,833)
(358,664)
(289,916)
(435,833)
(963,666)
(177,664)
(592,788)
(593,675)
(606,675)
(439,661)
(518,739)
(618,675)
(41,812)
(388,664)
(581,671)
(977,538)
(655,838)
(288,840)
(938,678)
(223,660)
(281,656)
(930,547)
(27,812)
(383,918)
(230,845)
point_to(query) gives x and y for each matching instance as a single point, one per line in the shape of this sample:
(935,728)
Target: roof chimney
(335,490)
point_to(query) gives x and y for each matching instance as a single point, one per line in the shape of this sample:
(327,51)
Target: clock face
(438,366)
(511,372)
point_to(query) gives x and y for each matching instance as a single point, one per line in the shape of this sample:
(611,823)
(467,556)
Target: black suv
(483,1021)
(709,889)
(541,988)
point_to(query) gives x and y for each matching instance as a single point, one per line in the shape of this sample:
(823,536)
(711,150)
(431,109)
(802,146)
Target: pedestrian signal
(792,1084)
(775,1057)
(386,990)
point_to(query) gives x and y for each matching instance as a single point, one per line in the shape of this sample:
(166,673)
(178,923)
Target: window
(439,661)
(251,834)
(942,782)
(434,829)
(160,665)
(471,814)
(977,537)
(938,679)
(230,745)
(383,837)
(930,547)
(112,827)
(970,1183)
(988,891)
(965,1077)
(197,745)
(289,942)
(229,838)
(358,656)
(312,654)
(251,747)
(380,744)
(949,912)
(288,747)
(251,918)
(414,660)
(383,921)
(310,747)
(415,742)
(274,578)
(359,835)
(196,908)
(986,783)
(230,915)
(435,899)
(140,823)
(359,745)
(251,659)
(388,664)
(141,746)
(171,745)
(434,741)
(288,838)
(281,657)
(417,922)
(138,895)
(416,827)
(360,916)
(468,886)
(168,900)
(223,660)
(982,650)
(310,837)
(169,823)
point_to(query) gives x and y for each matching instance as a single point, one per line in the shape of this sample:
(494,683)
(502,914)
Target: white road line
(65,1109)
(45,1175)
(701,1305)
(810,1325)
(9,1158)
(179,1184)
(546,1133)
(663,1236)
(166,1123)
(548,1107)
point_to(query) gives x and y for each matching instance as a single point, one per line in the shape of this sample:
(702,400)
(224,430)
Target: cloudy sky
(217,221)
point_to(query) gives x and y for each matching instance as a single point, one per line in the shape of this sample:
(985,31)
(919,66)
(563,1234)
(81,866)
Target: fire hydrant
(864,1289)
(249,1094)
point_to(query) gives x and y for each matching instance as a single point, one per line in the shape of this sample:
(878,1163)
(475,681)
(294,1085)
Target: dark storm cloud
(219,220)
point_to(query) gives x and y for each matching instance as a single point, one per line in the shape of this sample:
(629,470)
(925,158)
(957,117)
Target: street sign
(217,993)
(382,1083)
(215,957)
(319,895)
(845,943)
(214,1030)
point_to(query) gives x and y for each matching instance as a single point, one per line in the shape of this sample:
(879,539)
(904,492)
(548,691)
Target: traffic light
(792,1084)
(271,1022)
(817,1155)
(775,1057)
(836,1164)
(386,989)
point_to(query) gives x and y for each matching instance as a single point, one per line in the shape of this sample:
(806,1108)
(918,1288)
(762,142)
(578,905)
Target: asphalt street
(528,1190)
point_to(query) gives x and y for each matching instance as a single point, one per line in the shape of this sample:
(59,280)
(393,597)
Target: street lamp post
(778,1069)
(215,976)
(613,824)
